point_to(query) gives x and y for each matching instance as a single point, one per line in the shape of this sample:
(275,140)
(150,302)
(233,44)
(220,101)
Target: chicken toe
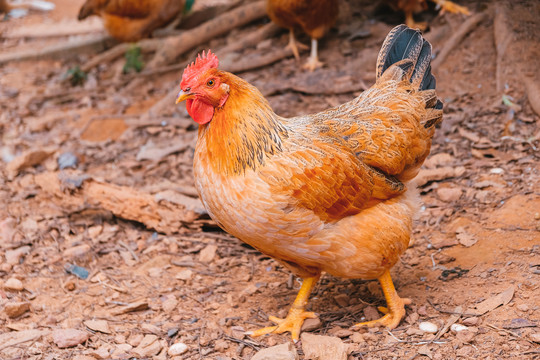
(296,316)
(294,45)
(396,305)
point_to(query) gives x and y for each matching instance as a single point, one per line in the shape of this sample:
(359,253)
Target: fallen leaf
(493,302)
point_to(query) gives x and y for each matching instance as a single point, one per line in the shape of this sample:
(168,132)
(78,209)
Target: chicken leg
(294,45)
(313,61)
(396,305)
(296,316)
(451,7)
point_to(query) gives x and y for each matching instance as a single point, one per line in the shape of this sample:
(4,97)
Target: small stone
(279,352)
(455,328)
(339,332)
(371,313)
(177,349)
(149,328)
(357,338)
(16,309)
(370,337)
(121,351)
(135,339)
(64,338)
(520,307)
(311,324)
(103,352)
(207,254)
(428,327)
(414,331)
(449,194)
(169,304)
(320,347)
(465,336)
(184,274)
(440,242)
(13,257)
(76,251)
(148,347)
(535,337)
(13,284)
(472,321)
(98,325)
(221,345)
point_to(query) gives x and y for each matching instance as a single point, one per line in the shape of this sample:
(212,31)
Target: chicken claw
(294,45)
(296,316)
(396,305)
(451,7)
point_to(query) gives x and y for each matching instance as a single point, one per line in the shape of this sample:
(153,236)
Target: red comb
(202,63)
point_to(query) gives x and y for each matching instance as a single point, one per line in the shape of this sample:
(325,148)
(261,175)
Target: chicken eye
(210,83)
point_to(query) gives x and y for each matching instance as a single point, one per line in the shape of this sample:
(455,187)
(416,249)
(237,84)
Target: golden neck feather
(242,133)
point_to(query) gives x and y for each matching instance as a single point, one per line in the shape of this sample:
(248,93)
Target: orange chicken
(132,20)
(329,192)
(315,18)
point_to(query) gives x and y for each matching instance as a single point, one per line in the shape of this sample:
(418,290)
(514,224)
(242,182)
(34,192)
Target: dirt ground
(132,289)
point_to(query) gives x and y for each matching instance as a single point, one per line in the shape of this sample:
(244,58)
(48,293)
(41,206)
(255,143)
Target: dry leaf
(494,302)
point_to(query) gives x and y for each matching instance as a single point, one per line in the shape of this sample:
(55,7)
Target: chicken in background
(132,20)
(315,18)
(410,7)
(328,192)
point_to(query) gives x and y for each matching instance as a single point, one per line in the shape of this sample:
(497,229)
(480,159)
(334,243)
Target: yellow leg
(396,305)
(294,45)
(409,20)
(451,7)
(296,316)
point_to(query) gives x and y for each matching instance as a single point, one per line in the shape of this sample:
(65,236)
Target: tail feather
(405,43)
(407,50)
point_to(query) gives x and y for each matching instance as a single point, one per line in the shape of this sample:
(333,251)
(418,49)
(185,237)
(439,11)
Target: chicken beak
(182,95)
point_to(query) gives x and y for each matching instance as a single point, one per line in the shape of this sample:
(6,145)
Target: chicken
(315,18)
(329,192)
(409,7)
(132,20)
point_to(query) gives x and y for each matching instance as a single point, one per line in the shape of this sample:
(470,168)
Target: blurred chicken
(314,17)
(132,20)
(410,7)
(328,192)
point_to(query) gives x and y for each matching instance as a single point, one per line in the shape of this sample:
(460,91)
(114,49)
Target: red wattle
(200,111)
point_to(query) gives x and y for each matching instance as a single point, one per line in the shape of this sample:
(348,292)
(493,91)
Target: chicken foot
(296,316)
(313,61)
(294,45)
(396,305)
(452,7)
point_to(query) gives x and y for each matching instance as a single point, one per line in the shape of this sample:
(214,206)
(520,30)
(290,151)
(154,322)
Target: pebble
(428,327)
(523,307)
(207,254)
(149,328)
(339,332)
(15,309)
(371,313)
(342,300)
(64,338)
(148,347)
(449,194)
(13,284)
(472,321)
(279,352)
(535,337)
(185,274)
(324,347)
(465,336)
(357,337)
(76,251)
(311,324)
(13,257)
(177,349)
(455,328)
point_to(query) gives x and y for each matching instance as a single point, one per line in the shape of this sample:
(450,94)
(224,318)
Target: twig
(450,312)
(252,344)
(57,50)
(129,249)
(457,38)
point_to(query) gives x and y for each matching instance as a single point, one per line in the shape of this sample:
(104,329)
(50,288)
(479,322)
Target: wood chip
(137,306)
(98,325)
